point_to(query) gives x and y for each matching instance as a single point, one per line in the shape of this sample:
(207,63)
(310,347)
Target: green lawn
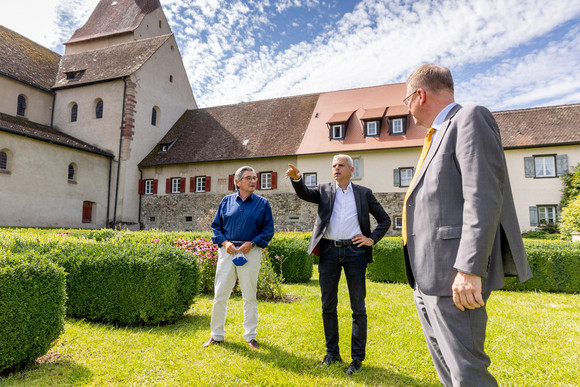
(533,340)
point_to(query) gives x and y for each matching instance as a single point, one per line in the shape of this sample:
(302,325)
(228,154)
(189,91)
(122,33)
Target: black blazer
(366,203)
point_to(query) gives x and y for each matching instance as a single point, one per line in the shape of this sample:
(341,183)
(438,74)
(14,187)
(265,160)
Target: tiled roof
(108,63)
(541,126)
(113,17)
(23,127)
(266,128)
(27,61)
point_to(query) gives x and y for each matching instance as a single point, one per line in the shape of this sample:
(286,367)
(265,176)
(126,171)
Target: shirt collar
(251,197)
(438,121)
(348,188)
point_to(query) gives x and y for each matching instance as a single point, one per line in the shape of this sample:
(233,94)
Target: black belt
(338,242)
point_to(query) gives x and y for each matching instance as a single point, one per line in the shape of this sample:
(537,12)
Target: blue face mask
(239,260)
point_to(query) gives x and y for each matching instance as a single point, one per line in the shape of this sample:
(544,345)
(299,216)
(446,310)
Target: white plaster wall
(36,191)
(153,24)
(95,44)
(38,102)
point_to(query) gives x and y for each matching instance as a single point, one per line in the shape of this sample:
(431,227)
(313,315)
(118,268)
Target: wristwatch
(253,245)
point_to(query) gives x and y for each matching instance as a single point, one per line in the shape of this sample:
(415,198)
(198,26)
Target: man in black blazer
(342,238)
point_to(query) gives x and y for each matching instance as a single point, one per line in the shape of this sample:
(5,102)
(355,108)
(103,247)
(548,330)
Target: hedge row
(555,265)
(32,307)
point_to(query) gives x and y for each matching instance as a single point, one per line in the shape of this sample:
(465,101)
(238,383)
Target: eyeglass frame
(250,178)
(406,99)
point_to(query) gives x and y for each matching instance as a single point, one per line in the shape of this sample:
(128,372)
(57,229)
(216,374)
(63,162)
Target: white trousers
(225,280)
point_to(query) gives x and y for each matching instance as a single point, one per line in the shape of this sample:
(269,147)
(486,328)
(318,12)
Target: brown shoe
(210,342)
(253,344)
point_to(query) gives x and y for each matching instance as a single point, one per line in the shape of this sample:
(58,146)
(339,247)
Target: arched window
(21,108)
(154,116)
(73,112)
(71,172)
(99,109)
(3,161)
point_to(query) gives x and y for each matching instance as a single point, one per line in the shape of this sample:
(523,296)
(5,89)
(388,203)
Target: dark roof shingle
(27,61)
(266,128)
(23,127)
(540,126)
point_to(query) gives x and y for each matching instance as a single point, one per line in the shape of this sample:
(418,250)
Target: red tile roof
(266,128)
(27,61)
(114,17)
(108,63)
(23,127)
(540,126)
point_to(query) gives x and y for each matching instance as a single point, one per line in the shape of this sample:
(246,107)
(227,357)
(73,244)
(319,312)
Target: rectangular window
(547,215)
(406,175)
(265,180)
(151,219)
(337,132)
(398,222)
(358,170)
(545,166)
(148,187)
(398,126)
(188,219)
(372,128)
(88,212)
(200,184)
(310,179)
(175,185)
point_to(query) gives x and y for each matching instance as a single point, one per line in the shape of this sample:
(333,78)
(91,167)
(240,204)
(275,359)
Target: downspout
(140,196)
(109,191)
(119,155)
(53,104)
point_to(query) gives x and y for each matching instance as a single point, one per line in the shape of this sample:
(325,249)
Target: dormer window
(398,126)
(337,125)
(372,128)
(164,148)
(74,75)
(371,121)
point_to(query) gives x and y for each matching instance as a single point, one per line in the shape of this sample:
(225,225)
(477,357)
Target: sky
(503,54)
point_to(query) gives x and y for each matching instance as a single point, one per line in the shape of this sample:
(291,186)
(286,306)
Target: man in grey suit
(342,237)
(460,231)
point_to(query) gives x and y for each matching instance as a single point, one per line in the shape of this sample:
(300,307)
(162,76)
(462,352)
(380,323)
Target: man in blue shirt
(242,227)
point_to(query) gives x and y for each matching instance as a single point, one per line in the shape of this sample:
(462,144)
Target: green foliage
(570,219)
(571,186)
(127,283)
(388,262)
(297,265)
(542,232)
(206,256)
(554,266)
(32,307)
(270,282)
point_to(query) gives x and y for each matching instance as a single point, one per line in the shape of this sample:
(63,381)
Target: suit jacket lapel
(435,144)
(357,199)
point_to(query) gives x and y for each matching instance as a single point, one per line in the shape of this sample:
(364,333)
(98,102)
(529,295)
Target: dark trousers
(353,260)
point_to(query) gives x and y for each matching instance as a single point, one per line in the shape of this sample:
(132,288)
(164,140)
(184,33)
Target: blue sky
(504,54)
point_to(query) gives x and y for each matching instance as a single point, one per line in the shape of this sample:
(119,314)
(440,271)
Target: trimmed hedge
(555,265)
(297,265)
(32,307)
(127,283)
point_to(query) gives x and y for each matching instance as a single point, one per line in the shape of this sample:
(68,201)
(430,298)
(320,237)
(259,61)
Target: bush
(570,219)
(297,265)
(32,307)
(127,283)
(206,256)
(388,261)
(554,266)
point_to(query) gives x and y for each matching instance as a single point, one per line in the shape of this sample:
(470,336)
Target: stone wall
(195,212)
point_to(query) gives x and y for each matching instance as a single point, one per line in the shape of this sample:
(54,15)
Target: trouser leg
(225,279)
(329,270)
(248,279)
(354,263)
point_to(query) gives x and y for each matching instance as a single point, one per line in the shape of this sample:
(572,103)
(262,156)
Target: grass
(533,340)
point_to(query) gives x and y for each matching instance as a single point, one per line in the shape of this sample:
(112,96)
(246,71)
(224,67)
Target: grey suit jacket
(366,204)
(460,212)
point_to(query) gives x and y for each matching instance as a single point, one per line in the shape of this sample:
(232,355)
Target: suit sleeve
(480,158)
(381,216)
(310,194)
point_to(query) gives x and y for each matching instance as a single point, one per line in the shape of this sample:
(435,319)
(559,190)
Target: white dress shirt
(343,222)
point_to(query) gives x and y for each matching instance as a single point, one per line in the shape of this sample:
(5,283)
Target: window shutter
(141,187)
(182,185)
(207,183)
(404,125)
(274,180)
(561,165)
(396,178)
(87,212)
(168,185)
(259,175)
(530,167)
(329,132)
(155,187)
(231,182)
(534,218)
(192,184)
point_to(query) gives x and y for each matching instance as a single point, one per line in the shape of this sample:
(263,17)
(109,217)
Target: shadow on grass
(280,358)
(61,370)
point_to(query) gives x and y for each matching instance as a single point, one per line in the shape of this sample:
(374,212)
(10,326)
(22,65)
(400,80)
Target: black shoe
(354,366)
(329,359)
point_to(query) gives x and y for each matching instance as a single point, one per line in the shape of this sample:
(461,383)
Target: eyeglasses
(250,178)
(407,98)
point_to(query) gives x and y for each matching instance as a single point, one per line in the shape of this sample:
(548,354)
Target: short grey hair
(431,77)
(347,157)
(240,172)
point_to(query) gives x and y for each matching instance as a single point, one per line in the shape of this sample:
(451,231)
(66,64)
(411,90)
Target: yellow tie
(426,146)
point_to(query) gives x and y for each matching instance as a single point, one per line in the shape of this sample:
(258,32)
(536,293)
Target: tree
(571,186)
